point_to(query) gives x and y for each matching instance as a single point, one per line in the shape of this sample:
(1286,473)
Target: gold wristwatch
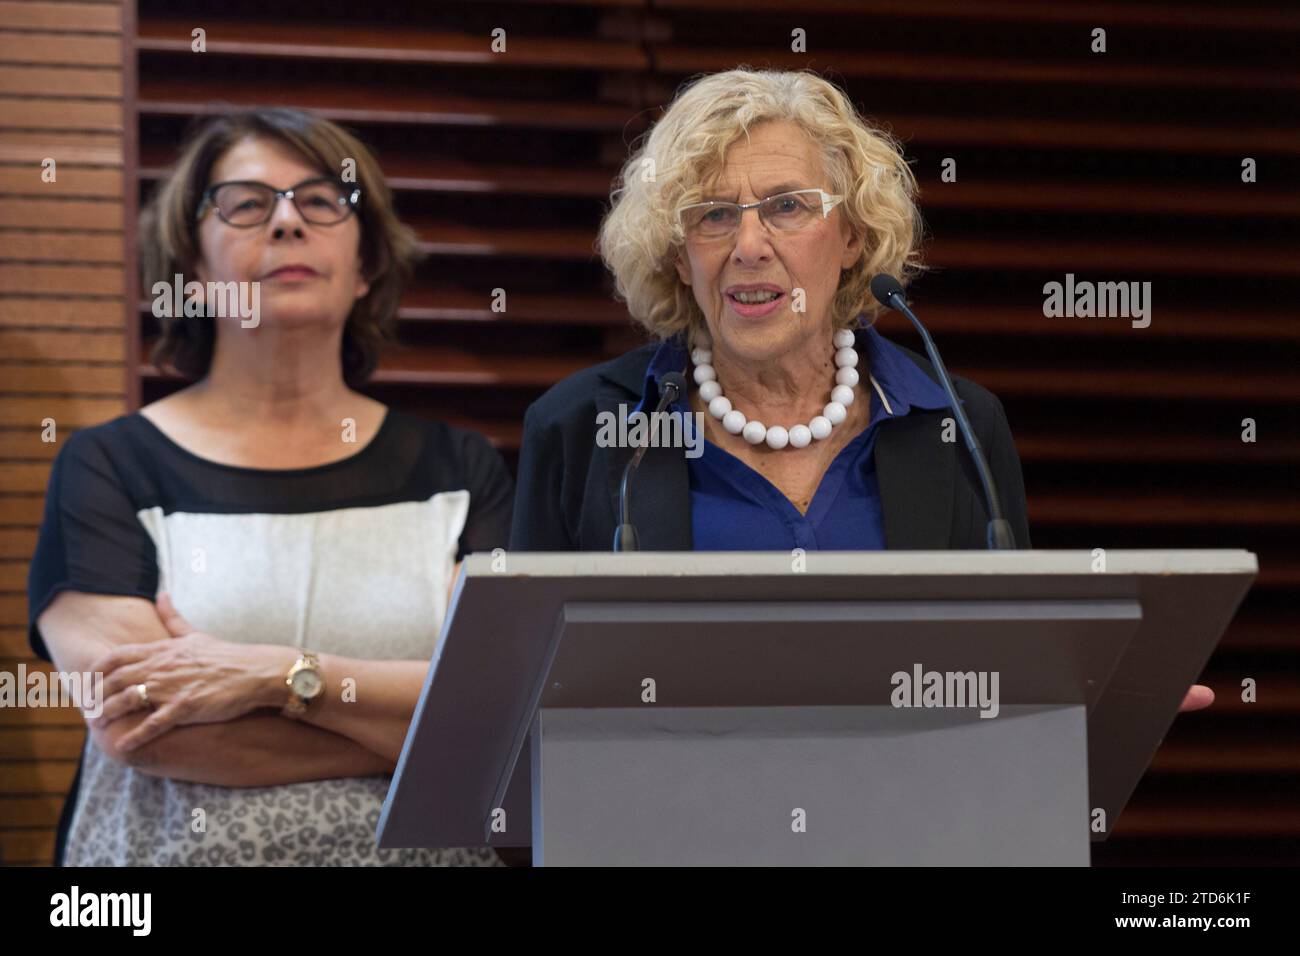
(306,683)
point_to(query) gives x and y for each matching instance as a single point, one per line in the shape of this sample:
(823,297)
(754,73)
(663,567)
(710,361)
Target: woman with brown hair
(260,563)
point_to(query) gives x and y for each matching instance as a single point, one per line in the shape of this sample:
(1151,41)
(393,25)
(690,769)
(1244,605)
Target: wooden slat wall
(63,342)
(1116,167)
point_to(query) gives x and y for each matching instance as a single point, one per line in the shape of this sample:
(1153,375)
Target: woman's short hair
(169,241)
(640,235)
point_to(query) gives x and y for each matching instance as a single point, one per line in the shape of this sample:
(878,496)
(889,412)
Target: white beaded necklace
(776,437)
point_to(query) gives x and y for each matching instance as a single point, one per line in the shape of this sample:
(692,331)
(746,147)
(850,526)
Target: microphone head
(677,380)
(883,287)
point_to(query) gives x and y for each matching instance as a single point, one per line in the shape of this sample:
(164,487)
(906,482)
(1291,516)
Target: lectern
(847,708)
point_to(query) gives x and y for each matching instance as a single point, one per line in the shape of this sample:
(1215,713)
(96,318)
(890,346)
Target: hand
(194,678)
(1198,698)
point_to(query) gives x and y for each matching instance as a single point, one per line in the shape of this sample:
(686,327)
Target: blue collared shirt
(734,508)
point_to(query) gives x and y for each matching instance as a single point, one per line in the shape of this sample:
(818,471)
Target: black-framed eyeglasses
(245,203)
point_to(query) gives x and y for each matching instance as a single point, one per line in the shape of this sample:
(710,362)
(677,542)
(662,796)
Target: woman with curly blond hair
(744,233)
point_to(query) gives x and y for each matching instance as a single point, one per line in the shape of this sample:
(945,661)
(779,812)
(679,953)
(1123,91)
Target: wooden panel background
(1115,167)
(63,342)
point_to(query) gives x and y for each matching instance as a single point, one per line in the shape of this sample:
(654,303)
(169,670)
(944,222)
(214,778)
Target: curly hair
(640,236)
(169,241)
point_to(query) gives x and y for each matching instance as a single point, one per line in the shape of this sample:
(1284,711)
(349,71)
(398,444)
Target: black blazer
(567,494)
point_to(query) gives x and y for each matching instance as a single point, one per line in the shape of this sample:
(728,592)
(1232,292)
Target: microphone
(674,384)
(889,293)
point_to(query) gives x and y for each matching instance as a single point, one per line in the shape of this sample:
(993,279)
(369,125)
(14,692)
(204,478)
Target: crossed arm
(217,717)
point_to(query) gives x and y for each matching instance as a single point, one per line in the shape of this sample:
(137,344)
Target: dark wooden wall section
(63,340)
(1122,166)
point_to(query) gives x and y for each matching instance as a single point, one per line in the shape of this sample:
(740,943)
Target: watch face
(306,683)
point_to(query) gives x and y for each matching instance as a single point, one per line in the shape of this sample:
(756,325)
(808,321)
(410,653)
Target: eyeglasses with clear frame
(784,212)
(245,203)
